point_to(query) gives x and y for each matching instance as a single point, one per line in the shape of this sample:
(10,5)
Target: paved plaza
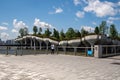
(58,67)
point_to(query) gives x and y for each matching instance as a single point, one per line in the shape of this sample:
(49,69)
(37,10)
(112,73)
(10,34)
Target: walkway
(58,67)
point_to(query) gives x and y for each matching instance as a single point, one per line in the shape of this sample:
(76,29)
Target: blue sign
(89,52)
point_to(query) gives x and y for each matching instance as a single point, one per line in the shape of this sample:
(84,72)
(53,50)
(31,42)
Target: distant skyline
(59,14)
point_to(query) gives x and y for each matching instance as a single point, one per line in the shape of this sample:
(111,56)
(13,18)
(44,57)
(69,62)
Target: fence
(80,51)
(110,50)
(106,50)
(24,50)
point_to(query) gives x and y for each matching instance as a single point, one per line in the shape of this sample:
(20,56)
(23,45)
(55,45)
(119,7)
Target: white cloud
(19,24)
(14,31)
(41,24)
(88,28)
(79,2)
(80,14)
(3,28)
(76,2)
(57,10)
(119,3)
(94,23)
(4,35)
(101,9)
(112,19)
(5,23)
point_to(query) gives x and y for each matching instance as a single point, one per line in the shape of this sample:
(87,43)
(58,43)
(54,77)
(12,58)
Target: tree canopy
(56,34)
(47,33)
(35,29)
(113,32)
(97,30)
(71,33)
(23,32)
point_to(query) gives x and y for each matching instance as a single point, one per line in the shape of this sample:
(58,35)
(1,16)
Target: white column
(25,42)
(92,46)
(40,44)
(31,44)
(98,51)
(34,45)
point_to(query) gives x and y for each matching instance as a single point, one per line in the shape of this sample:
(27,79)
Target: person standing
(52,48)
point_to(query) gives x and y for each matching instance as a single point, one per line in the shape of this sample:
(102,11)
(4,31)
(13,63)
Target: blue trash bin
(89,52)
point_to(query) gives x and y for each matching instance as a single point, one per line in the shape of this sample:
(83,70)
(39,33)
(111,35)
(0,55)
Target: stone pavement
(58,67)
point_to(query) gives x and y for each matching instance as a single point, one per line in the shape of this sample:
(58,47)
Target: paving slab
(58,67)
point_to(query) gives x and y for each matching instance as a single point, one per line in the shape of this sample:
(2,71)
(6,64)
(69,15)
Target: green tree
(96,31)
(83,33)
(103,27)
(47,33)
(56,34)
(35,29)
(70,33)
(77,33)
(23,32)
(62,35)
(113,31)
(40,30)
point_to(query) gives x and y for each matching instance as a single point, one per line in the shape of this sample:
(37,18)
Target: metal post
(115,50)
(64,49)
(16,52)
(75,50)
(57,49)
(34,47)
(106,50)
(7,50)
(40,44)
(31,44)
(21,50)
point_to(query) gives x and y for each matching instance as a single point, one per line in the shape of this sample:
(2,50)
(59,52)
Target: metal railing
(110,50)
(25,50)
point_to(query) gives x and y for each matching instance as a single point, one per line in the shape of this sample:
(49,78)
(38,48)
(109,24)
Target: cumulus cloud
(57,10)
(3,28)
(119,3)
(80,14)
(101,9)
(79,2)
(88,28)
(94,23)
(112,19)
(19,24)
(76,2)
(4,35)
(5,23)
(41,24)
(14,31)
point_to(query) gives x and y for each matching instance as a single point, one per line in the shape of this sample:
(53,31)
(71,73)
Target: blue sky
(59,14)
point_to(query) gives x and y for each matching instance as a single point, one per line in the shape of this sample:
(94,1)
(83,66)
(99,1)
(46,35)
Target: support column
(34,45)
(40,44)
(75,50)
(98,51)
(21,48)
(25,43)
(47,42)
(64,48)
(31,44)
(92,46)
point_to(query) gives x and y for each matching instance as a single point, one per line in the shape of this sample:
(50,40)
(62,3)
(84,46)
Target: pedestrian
(52,48)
